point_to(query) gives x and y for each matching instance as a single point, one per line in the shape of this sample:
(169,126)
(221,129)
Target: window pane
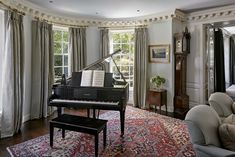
(132,48)
(65,46)
(58,72)
(116,47)
(132,38)
(125,48)
(116,38)
(57,35)
(65,36)
(58,60)
(124,38)
(57,47)
(66,71)
(65,60)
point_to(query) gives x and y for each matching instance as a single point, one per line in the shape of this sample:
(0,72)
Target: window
(61,62)
(124,40)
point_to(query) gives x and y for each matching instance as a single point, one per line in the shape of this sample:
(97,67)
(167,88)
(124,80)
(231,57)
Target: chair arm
(214,151)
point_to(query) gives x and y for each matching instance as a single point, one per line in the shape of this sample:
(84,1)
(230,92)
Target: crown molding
(212,14)
(40,13)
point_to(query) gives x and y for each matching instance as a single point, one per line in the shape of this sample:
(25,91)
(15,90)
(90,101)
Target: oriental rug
(147,134)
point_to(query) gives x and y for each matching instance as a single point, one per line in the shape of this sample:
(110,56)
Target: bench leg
(96,144)
(51,134)
(104,135)
(63,133)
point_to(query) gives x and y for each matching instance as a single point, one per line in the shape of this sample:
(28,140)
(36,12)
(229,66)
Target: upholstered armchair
(222,104)
(203,123)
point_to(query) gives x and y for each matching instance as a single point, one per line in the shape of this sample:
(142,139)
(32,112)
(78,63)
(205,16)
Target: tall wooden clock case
(181,50)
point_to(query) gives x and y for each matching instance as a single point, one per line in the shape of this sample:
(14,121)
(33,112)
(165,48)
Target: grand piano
(113,96)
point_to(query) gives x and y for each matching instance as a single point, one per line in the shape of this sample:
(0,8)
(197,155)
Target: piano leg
(94,113)
(59,111)
(88,112)
(122,120)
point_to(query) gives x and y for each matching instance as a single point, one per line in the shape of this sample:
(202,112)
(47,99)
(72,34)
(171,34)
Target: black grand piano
(113,96)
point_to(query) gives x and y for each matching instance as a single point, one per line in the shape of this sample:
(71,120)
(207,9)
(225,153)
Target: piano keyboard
(84,102)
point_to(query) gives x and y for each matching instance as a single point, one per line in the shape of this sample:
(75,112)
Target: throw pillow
(227,136)
(233,107)
(230,119)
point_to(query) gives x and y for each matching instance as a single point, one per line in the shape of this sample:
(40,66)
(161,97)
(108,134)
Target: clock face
(178,46)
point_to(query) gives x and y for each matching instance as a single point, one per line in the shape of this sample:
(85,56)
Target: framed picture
(159,53)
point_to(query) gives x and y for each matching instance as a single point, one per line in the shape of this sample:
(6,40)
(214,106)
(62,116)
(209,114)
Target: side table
(157,98)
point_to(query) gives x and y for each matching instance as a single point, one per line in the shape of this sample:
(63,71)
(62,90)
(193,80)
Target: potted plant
(157,81)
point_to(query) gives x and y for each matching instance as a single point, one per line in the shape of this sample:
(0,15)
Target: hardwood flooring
(34,128)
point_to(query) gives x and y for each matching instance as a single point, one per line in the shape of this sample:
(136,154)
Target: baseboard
(26,118)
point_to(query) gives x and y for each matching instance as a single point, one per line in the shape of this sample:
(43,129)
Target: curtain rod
(10,8)
(123,27)
(59,23)
(225,32)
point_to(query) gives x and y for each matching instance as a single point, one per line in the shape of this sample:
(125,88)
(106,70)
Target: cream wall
(161,33)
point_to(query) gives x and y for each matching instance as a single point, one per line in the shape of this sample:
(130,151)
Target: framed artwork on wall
(159,53)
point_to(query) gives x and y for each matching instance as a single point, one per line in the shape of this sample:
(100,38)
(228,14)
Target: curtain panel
(104,46)
(42,68)
(140,67)
(77,48)
(232,60)
(12,80)
(104,42)
(219,73)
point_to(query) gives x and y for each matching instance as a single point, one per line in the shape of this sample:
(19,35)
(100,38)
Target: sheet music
(86,78)
(98,78)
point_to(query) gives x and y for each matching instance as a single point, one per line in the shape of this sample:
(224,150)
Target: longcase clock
(181,50)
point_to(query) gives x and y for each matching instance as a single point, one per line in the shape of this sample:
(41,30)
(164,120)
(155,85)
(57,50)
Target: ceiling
(123,8)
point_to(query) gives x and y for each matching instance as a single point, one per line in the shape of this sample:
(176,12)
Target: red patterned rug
(147,134)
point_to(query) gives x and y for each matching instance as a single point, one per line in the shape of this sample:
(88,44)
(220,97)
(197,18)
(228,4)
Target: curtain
(232,60)
(140,67)
(104,46)
(77,48)
(104,42)
(42,68)
(12,80)
(219,73)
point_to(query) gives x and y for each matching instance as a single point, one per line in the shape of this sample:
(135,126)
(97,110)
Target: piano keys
(83,102)
(113,96)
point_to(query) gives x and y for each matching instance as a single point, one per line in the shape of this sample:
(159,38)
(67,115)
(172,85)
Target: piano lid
(101,64)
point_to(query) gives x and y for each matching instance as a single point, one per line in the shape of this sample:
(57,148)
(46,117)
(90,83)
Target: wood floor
(34,128)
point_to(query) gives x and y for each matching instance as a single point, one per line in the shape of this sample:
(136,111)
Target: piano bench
(80,124)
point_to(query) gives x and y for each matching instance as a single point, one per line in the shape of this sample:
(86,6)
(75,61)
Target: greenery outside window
(124,40)
(61,58)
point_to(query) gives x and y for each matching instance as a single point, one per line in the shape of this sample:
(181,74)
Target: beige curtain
(12,79)
(140,67)
(42,68)
(104,42)
(77,48)
(104,46)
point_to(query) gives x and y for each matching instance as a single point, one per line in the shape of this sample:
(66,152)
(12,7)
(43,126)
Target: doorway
(220,59)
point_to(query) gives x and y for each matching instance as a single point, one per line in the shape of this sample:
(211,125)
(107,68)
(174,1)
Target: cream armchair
(203,123)
(222,104)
